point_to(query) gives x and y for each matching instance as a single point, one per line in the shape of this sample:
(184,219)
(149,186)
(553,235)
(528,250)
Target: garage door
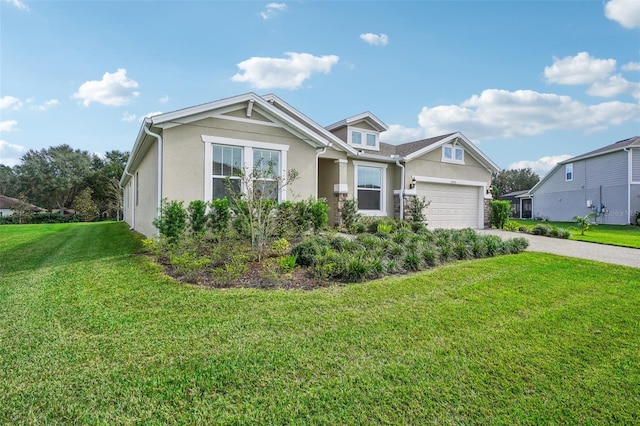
(452,206)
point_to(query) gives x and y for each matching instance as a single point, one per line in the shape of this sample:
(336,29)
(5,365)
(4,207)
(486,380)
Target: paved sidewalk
(591,251)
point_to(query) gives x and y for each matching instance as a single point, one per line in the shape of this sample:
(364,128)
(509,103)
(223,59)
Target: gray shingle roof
(626,143)
(409,147)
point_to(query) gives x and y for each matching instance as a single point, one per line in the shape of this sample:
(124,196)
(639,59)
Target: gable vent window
(453,154)
(362,138)
(568,172)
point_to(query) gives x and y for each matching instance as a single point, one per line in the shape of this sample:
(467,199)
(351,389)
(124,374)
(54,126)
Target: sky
(530,82)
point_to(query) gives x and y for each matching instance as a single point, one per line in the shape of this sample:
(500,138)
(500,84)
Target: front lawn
(616,235)
(92,333)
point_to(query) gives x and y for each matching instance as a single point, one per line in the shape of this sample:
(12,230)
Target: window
(568,172)
(266,165)
(452,154)
(227,164)
(362,137)
(369,187)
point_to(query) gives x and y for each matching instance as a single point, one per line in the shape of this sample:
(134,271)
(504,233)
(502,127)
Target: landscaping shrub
(541,229)
(500,212)
(349,213)
(219,216)
(280,246)
(308,250)
(197,210)
(172,221)
(511,226)
(287,263)
(416,208)
(584,222)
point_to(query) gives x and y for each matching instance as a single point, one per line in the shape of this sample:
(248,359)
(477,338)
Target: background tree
(85,206)
(22,210)
(506,181)
(8,181)
(105,171)
(52,177)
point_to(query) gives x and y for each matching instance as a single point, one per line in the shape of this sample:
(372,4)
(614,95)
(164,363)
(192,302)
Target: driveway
(590,251)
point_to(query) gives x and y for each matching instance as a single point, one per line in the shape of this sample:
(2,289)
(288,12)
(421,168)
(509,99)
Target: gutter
(318,154)
(401,195)
(159,139)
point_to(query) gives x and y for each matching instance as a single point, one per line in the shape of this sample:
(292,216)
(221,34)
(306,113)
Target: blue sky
(531,82)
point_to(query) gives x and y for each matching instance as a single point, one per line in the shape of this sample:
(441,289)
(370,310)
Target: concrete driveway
(591,251)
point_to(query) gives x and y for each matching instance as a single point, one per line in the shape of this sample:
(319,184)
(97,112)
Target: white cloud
(579,69)
(18,4)
(631,66)
(501,114)
(10,102)
(10,154)
(115,89)
(8,126)
(624,12)
(613,86)
(51,103)
(375,39)
(128,117)
(267,73)
(272,10)
(397,134)
(164,99)
(540,166)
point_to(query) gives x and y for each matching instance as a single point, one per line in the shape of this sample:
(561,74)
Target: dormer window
(453,154)
(363,138)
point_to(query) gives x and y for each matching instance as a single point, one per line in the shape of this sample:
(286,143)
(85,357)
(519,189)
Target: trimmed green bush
(500,212)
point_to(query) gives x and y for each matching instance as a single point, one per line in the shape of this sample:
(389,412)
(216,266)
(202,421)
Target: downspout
(401,195)
(133,210)
(629,179)
(159,138)
(318,154)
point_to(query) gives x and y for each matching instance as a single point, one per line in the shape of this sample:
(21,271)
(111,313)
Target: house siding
(431,165)
(602,179)
(635,165)
(147,207)
(184,151)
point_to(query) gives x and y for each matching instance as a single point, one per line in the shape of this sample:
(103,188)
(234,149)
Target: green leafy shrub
(500,212)
(197,210)
(280,247)
(411,262)
(416,208)
(430,255)
(511,226)
(541,229)
(356,270)
(172,221)
(308,250)
(287,263)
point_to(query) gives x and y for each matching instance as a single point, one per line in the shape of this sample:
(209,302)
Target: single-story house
(520,203)
(188,154)
(605,181)
(7,206)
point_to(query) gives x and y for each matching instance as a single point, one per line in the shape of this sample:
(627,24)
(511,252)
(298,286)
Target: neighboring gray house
(605,181)
(520,203)
(188,154)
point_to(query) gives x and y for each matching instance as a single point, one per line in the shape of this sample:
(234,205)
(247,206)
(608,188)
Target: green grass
(615,235)
(90,334)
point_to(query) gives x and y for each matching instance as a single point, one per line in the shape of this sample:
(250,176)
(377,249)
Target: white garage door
(452,206)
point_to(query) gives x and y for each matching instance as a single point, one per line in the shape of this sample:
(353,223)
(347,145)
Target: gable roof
(367,116)
(632,142)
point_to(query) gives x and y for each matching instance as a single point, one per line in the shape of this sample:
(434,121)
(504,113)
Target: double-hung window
(227,166)
(369,183)
(568,172)
(266,169)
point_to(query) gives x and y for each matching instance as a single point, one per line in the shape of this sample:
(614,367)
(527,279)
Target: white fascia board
(310,123)
(135,151)
(447,181)
(198,109)
(375,157)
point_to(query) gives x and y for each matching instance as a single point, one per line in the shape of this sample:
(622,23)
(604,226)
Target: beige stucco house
(187,154)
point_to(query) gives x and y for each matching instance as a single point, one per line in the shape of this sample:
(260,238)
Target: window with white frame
(232,157)
(370,187)
(227,166)
(568,172)
(363,138)
(452,154)
(266,166)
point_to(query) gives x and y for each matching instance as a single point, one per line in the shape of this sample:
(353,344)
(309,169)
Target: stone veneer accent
(338,203)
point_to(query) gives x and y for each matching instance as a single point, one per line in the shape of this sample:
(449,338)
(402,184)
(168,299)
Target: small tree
(21,210)
(584,222)
(500,211)
(257,207)
(349,213)
(416,209)
(197,216)
(85,206)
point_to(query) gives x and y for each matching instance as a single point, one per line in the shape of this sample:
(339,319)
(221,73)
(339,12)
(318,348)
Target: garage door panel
(452,206)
